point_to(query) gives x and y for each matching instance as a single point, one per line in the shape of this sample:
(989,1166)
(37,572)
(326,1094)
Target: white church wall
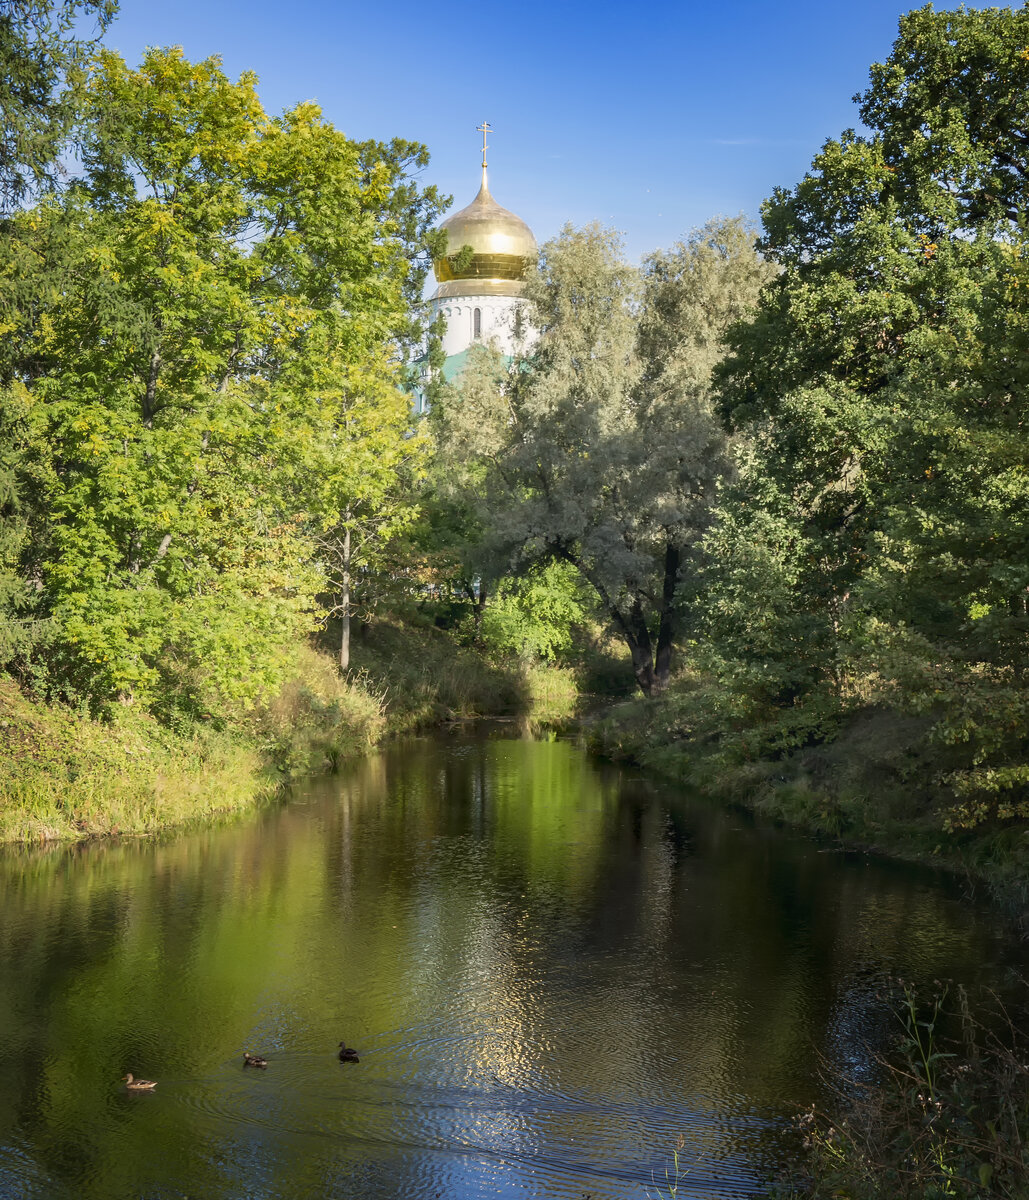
(496,323)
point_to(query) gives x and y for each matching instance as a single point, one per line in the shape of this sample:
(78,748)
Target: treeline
(788,471)
(798,466)
(205,321)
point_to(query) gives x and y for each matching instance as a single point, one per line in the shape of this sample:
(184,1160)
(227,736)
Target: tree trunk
(637,636)
(666,629)
(344,605)
(480,608)
(150,393)
(633,626)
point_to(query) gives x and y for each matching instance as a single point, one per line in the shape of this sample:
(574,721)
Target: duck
(139,1085)
(254,1060)
(347,1053)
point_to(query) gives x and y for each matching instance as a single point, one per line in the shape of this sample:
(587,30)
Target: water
(551,969)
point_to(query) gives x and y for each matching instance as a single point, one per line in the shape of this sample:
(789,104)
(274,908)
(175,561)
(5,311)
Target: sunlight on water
(552,971)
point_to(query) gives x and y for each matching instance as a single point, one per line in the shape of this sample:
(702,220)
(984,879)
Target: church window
(477,324)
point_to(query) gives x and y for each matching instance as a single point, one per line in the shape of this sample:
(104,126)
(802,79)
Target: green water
(551,970)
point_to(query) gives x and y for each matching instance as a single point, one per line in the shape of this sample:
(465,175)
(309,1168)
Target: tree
(183,318)
(18,627)
(882,384)
(600,447)
(42,62)
(365,483)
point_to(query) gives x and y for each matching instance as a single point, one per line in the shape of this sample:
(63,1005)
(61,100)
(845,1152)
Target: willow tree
(600,447)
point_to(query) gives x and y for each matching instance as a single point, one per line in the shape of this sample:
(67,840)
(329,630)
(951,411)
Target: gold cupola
(502,247)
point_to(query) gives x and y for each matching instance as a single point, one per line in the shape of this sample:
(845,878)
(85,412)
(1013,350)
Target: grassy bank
(426,676)
(867,778)
(64,775)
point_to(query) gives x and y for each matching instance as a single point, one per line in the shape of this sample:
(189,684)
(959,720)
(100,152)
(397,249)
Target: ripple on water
(547,992)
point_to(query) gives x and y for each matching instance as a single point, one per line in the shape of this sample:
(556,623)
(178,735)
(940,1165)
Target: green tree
(42,68)
(19,628)
(537,615)
(183,318)
(366,479)
(882,388)
(600,448)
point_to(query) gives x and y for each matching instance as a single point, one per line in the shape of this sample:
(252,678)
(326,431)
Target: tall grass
(947,1116)
(424,677)
(65,775)
(317,718)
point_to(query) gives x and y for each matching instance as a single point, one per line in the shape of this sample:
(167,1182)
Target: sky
(649,118)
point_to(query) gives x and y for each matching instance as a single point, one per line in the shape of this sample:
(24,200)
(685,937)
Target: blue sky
(648,118)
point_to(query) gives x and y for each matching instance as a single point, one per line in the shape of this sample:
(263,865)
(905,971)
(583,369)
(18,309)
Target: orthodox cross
(484,128)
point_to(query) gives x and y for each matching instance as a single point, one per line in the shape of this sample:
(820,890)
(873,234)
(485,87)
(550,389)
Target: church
(480,279)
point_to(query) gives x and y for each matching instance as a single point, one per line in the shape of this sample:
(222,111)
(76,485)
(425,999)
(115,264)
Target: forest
(772,481)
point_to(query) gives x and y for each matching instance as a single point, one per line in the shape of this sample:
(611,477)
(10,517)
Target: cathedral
(478,292)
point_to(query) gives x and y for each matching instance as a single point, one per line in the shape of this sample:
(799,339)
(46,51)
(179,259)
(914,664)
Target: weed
(673,1178)
(947,1117)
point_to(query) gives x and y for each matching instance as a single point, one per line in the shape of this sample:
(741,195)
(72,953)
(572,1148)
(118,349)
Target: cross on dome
(484,128)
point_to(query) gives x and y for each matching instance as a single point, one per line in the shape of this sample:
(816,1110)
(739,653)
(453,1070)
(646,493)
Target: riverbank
(868,779)
(66,776)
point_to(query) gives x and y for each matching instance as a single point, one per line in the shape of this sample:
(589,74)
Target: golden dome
(502,246)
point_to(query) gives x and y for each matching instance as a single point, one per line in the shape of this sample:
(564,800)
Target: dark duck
(347,1053)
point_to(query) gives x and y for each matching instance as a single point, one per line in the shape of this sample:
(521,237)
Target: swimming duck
(347,1053)
(139,1085)
(254,1060)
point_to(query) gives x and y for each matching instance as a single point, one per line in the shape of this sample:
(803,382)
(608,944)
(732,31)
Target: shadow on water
(552,969)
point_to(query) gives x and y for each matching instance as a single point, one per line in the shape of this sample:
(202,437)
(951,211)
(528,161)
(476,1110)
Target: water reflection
(551,970)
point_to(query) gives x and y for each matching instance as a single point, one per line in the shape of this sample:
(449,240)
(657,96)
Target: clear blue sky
(650,118)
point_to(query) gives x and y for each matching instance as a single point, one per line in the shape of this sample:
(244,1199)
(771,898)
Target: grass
(317,718)
(864,777)
(64,775)
(425,677)
(947,1114)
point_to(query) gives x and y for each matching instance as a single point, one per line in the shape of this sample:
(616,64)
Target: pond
(552,970)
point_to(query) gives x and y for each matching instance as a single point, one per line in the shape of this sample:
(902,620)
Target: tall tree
(19,628)
(364,483)
(193,304)
(600,448)
(883,386)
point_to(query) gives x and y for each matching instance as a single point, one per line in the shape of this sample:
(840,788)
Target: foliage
(948,1115)
(535,616)
(425,676)
(42,67)
(365,484)
(187,319)
(878,521)
(18,628)
(599,447)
